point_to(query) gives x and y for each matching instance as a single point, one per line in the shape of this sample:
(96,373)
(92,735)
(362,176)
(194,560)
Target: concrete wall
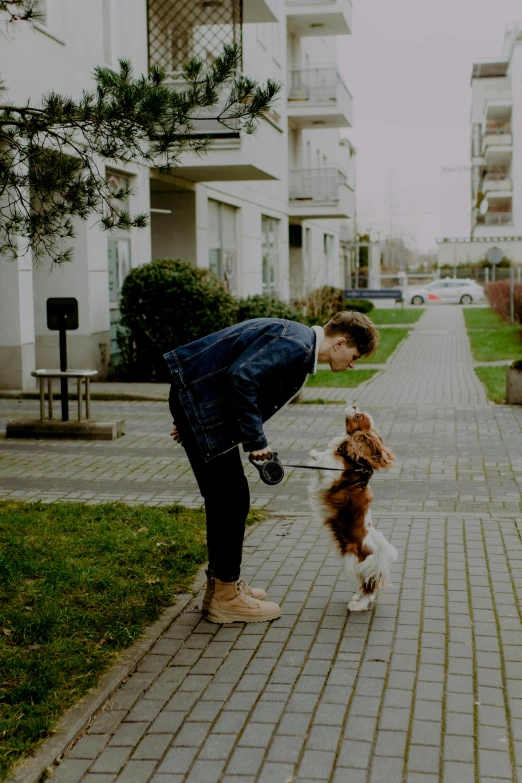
(16,324)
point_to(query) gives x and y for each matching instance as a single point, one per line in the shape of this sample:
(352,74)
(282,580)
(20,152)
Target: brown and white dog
(342,502)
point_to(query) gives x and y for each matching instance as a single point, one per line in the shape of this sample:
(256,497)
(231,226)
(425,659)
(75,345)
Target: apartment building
(496,158)
(264,212)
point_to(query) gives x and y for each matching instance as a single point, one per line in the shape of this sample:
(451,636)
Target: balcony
(498,106)
(497,143)
(496,183)
(232,156)
(319,193)
(319,98)
(319,17)
(258,11)
(496,219)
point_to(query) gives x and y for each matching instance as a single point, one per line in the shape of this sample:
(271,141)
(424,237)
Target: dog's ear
(369,447)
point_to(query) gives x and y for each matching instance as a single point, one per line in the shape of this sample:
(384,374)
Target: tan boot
(256,592)
(233,602)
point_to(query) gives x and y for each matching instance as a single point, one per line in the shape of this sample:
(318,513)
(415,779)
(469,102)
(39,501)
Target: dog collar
(365,471)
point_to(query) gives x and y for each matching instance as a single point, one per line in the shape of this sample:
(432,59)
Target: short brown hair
(358,330)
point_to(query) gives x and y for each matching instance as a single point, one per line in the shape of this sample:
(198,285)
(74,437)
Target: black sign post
(62,315)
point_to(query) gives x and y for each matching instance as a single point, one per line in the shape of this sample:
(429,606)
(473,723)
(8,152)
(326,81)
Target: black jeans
(224,487)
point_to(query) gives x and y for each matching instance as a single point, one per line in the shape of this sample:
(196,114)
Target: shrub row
(498,294)
(168,303)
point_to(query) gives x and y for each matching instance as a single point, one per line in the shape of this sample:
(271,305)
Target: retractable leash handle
(271,470)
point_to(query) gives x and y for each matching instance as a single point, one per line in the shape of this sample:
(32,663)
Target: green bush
(262,306)
(163,305)
(359,305)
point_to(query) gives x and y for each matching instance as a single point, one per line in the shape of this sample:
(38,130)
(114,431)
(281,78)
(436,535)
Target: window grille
(179,30)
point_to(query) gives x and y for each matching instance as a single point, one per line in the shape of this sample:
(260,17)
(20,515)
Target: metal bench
(80,375)
(375,293)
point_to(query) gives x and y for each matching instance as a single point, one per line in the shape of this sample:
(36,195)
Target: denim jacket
(232,381)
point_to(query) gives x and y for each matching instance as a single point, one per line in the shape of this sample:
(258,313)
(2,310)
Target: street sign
(495,255)
(62,315)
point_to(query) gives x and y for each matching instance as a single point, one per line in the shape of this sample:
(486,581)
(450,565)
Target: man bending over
(224,387)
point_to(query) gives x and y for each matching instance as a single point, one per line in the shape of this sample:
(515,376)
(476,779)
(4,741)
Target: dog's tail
(374,571)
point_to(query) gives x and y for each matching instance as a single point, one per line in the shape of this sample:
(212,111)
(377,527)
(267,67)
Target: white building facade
(496,159)
(264,212)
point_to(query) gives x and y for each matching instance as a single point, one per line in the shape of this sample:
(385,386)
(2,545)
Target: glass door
(222,243)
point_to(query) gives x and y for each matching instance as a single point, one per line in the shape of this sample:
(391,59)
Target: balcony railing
(179,30)
(316,184)
(497,181)
(204,123)
(496,218)
(495,173)
(497,130)
(315,84)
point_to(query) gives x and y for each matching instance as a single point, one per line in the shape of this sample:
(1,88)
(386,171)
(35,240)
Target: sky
(408,66)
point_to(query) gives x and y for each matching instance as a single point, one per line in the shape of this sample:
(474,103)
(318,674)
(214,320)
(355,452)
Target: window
(222,243)
(270,248)
(328,248)
(118,260)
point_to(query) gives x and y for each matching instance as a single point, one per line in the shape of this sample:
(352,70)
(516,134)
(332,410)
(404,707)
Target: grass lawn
(348,379)
(320,401)
(491,339)
(494,379)
(389,340)
(395,316)
(483,318)
(78,584)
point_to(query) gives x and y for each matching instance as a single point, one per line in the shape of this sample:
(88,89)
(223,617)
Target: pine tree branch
(53,152)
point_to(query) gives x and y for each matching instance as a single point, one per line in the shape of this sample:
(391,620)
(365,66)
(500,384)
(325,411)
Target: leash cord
(312,467)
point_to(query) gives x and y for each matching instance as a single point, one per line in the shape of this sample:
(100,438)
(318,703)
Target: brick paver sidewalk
(425,688)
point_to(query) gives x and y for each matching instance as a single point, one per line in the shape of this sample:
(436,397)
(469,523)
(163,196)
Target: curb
(40,767)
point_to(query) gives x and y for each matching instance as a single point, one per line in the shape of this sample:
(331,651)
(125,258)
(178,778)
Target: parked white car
(448,290)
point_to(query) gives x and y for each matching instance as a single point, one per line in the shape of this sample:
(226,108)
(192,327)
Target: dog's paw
(314,454)
(357,606)
(360,603)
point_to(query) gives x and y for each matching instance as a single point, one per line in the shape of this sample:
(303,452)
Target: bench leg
(88,398)
(79,399)
(50,396)
(42,399)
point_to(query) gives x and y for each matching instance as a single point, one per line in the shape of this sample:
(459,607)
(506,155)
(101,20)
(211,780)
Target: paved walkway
(433,366)
(425,688)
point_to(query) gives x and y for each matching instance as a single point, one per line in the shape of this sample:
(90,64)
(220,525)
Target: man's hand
(175,434)
(261,454)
